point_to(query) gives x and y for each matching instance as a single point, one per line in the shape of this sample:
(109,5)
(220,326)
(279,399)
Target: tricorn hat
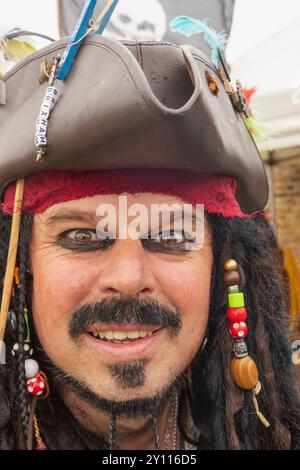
(130,105)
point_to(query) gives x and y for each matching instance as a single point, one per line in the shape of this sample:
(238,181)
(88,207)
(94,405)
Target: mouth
(124,342)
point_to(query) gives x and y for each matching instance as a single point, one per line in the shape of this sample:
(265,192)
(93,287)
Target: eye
(174,236)
(83,240)
(82,235)
(173,241)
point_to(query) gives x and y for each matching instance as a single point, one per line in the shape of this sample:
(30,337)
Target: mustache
(123,311)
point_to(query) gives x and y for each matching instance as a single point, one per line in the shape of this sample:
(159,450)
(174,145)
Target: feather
(190,26)
(2,61)
(249,92)
(259,130)
(16,49)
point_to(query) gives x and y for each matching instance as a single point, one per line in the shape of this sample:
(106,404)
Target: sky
(254,20)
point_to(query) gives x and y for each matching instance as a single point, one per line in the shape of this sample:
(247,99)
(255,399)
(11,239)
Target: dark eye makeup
(88,240)
(83,240)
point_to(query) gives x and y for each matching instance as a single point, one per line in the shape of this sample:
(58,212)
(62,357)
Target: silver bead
(240,348)
(31,368)
(233,289)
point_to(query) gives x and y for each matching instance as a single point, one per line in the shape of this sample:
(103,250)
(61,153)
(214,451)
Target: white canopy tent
(274,67)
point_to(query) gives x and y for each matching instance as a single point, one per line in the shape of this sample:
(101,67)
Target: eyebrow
(69,215)
(64,215)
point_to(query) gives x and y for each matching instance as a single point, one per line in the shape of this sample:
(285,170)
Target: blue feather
(190,26)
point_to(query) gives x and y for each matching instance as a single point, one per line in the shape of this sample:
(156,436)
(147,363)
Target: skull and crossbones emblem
(133,21)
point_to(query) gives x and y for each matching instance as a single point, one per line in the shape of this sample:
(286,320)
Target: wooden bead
(230,265)
(231,278)
(245,373)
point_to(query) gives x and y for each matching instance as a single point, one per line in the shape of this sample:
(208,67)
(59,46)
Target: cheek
(187,287)
(58,289)
(195,310)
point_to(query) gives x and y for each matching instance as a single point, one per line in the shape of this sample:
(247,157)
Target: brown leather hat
(130,105)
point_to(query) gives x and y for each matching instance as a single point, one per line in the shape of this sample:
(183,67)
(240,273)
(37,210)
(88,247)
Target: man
(134,332)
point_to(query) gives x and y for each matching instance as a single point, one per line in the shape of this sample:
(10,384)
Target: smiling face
(125,317)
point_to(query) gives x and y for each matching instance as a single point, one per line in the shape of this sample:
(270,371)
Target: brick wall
(286,177)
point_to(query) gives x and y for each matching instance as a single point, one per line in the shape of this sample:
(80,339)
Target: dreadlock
(223,414)
(253,244)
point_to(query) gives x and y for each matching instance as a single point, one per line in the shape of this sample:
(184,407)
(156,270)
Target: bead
(236,300)
(231,278)
(41,446)
(233,289)
(240,348)
(238,330)
(236,315)
(31,368)
(36,385)
(27,349)
(244,372)
(49,101)
(15,349)
(230,265)
(40,141)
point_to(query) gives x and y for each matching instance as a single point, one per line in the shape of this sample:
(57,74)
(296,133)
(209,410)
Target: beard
(126,375)
(127,372)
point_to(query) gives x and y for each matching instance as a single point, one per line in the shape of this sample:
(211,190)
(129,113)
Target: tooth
(95,334)
(150,333)
(101,334)
(133,334)
(108,335)
(143,334)
(120,335)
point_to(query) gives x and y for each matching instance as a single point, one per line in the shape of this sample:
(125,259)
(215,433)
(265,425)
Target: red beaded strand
(243,368)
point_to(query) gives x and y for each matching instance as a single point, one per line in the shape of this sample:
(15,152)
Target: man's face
(75,273)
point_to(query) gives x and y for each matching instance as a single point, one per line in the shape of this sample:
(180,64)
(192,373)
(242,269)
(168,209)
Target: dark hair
(224,415)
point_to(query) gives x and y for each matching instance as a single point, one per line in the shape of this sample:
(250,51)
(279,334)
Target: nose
(126,270)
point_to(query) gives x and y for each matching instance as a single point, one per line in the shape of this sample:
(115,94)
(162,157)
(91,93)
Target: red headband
(45,189)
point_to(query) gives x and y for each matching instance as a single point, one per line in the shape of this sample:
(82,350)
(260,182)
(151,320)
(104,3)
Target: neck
(132,433)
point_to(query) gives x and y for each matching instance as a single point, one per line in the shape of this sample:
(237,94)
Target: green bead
(236,300)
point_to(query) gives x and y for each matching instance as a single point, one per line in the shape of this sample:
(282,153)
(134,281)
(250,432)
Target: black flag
(149,19)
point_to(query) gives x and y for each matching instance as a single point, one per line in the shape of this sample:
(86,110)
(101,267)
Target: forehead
(90,204)
(85,209)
